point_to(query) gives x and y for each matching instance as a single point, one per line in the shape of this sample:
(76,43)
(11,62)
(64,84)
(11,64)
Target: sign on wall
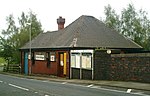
(40,56)
(52,56)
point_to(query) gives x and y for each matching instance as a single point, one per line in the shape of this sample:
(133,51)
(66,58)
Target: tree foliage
(14,37)
(131,23)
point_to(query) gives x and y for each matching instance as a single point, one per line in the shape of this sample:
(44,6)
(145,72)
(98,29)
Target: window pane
(89,60)
(86,60)
(73,58)
(77,60)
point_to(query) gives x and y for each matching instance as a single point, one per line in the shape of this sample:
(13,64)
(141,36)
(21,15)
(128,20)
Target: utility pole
(30,69)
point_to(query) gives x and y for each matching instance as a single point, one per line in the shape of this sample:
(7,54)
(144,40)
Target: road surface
(15,86)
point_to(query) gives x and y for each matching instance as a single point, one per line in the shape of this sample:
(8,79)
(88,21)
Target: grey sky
(49,10)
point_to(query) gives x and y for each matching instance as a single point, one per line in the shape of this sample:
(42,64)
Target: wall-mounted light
(108,51)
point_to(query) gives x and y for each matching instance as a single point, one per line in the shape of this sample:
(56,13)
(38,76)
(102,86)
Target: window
(33,61)
(48,59)
(75,60)
(81,60)
(86,60)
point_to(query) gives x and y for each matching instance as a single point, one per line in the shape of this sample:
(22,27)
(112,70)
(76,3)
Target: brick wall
(101,65)
(130,67)
(41,67)
(122,67)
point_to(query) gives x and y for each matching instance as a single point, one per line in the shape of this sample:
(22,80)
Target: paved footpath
(117,84)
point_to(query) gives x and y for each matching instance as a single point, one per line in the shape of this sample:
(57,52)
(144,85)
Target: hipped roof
(85,32)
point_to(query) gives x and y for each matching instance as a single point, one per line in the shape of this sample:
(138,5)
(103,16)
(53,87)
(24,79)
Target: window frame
(86,56)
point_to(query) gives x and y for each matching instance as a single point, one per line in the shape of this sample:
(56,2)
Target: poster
(52,58)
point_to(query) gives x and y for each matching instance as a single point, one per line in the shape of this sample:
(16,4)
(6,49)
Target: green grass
(2,61)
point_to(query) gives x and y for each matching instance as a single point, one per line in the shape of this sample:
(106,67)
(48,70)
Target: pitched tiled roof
(86,31)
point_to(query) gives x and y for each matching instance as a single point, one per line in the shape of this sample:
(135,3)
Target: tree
(24,30)
(112,19)
(15,37)
(7,46)
(6,51)
(131,23)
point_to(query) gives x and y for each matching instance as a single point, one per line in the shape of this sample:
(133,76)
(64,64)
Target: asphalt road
(15,86)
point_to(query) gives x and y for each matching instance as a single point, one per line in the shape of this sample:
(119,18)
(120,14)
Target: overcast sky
(49,10)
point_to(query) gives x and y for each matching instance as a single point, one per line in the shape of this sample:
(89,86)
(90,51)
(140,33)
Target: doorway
(62,65)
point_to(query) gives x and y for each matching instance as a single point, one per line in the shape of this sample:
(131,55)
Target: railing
(14,68)
(1,68)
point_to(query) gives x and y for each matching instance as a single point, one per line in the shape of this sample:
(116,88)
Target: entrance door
(62,67)
(26,63)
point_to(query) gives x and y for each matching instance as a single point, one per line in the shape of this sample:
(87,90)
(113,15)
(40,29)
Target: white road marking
(44,81)
(76,85)
(90,85)
(113,90)
(46,95)
(35,92)
(140,94)
(32,79)
(1,81)
(18,87)
(129,90)
(21,78)
(64,83)
(96,87)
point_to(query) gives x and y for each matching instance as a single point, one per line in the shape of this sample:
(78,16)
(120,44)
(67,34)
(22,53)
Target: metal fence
(1,68)
(14,68)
